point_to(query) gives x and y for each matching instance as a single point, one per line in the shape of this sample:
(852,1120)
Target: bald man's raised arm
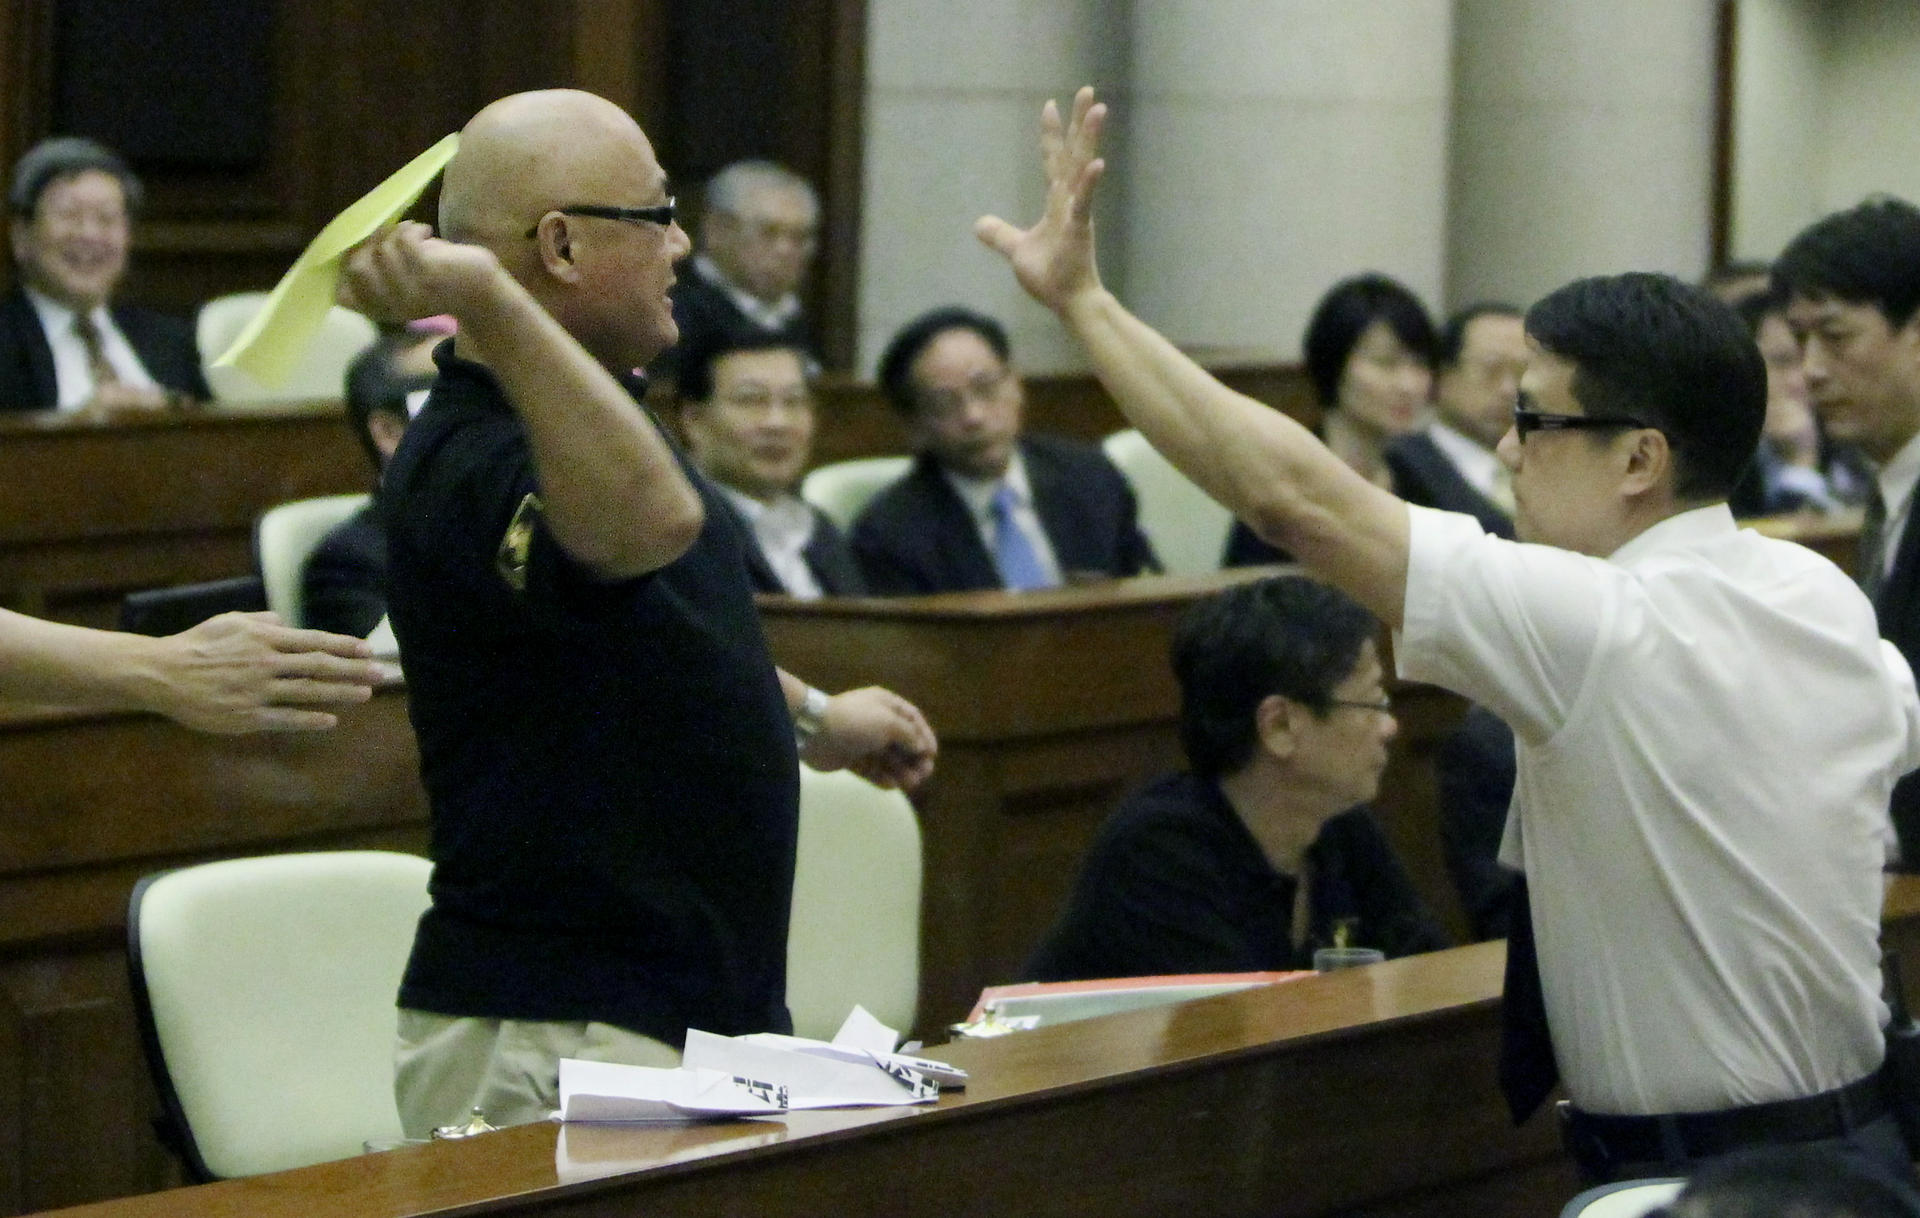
(614,497)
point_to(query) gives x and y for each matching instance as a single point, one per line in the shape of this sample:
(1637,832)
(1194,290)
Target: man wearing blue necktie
(985,506)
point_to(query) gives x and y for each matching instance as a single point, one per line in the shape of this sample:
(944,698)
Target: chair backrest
(286,537)
(1187,528)
(844,487)
(1626,1199)
(265,989)
(855,934)
(320,373)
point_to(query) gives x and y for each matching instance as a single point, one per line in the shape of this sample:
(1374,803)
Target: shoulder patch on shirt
(516,547)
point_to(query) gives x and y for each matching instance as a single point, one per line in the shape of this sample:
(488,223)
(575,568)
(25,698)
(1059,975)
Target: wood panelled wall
(356,87)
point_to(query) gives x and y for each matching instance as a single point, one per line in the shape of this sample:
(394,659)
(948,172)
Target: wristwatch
(810,717)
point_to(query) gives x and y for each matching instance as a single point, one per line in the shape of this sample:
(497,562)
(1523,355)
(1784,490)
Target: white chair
(286,537)
(1626,1199)
(320,373)
(843,488)
(855,933)
(265,989)
(1187,528)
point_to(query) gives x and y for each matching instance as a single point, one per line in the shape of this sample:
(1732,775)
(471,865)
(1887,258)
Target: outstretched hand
(1054,260)
(246,672)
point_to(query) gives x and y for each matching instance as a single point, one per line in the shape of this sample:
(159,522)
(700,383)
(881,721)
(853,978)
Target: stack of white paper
(726,1076)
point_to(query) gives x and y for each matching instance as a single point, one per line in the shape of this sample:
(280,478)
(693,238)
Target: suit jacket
(1422,474)
(344,584)
(702,308)
(1898,608)
(827,555)
(164,344)
(917,536)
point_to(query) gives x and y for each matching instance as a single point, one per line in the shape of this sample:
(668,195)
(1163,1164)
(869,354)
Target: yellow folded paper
(273,342)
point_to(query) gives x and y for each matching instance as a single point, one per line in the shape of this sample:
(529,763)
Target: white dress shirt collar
(1476,462)
(767,316)
(72,370)
(782,528)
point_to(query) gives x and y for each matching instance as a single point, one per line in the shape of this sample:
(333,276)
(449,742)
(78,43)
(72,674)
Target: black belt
(1599,1142)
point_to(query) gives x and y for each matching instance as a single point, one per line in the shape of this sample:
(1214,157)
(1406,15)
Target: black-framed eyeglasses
(1526,422)
(1384,705)
(663,215)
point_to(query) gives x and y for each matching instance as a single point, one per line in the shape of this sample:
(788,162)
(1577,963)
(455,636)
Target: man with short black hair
(746,409)
(985,504)
(63,343)
(1264,851)
(758,236)
(1852,282)
(1451,464)
(1708,724)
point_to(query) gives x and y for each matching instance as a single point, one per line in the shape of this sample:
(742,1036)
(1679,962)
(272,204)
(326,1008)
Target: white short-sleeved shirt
(1708,727)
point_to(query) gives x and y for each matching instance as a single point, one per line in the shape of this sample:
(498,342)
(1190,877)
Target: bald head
(526,157)
(531,152)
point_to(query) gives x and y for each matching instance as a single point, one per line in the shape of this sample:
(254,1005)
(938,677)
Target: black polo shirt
(611,767)
(1175,883)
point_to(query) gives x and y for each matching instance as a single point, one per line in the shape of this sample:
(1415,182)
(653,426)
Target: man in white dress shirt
(1708,723)
(747,412)
(63,343)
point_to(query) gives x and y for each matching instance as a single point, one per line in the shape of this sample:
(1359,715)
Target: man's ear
(18,232)
(1649,462)
(1275,722)
(555,238)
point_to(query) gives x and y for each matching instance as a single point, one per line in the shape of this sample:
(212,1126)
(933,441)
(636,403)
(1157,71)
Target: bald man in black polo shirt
(607,746)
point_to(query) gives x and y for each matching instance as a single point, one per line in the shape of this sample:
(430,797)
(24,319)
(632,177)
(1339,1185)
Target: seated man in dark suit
(63,344)
(746,411)
(985,506)
(758,235)
(1450,463)
(1263,851)
(344,586)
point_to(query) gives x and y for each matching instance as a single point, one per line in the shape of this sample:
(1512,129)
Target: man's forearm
(1264,466)
(52,664)
(615,498)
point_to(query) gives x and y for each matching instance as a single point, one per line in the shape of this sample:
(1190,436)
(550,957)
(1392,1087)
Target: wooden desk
(1050,706)
(88,804)
(1370,1093)
(90,511)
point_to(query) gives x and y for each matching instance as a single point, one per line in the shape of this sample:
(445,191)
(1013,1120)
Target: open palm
(1054,259)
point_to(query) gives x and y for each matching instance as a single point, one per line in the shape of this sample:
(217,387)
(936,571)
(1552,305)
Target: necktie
(1013,552)
(1527,1070)
(98,367)
(1871,561)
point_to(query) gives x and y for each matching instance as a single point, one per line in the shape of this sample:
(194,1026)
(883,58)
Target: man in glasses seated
(746,410)
(758,236)
(1707,723)
(986,504)
(1263,851)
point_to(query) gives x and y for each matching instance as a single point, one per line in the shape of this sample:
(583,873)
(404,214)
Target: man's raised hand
(1054,260)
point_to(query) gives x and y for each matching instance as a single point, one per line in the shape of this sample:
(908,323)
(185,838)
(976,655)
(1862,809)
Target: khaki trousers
(445,1066)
